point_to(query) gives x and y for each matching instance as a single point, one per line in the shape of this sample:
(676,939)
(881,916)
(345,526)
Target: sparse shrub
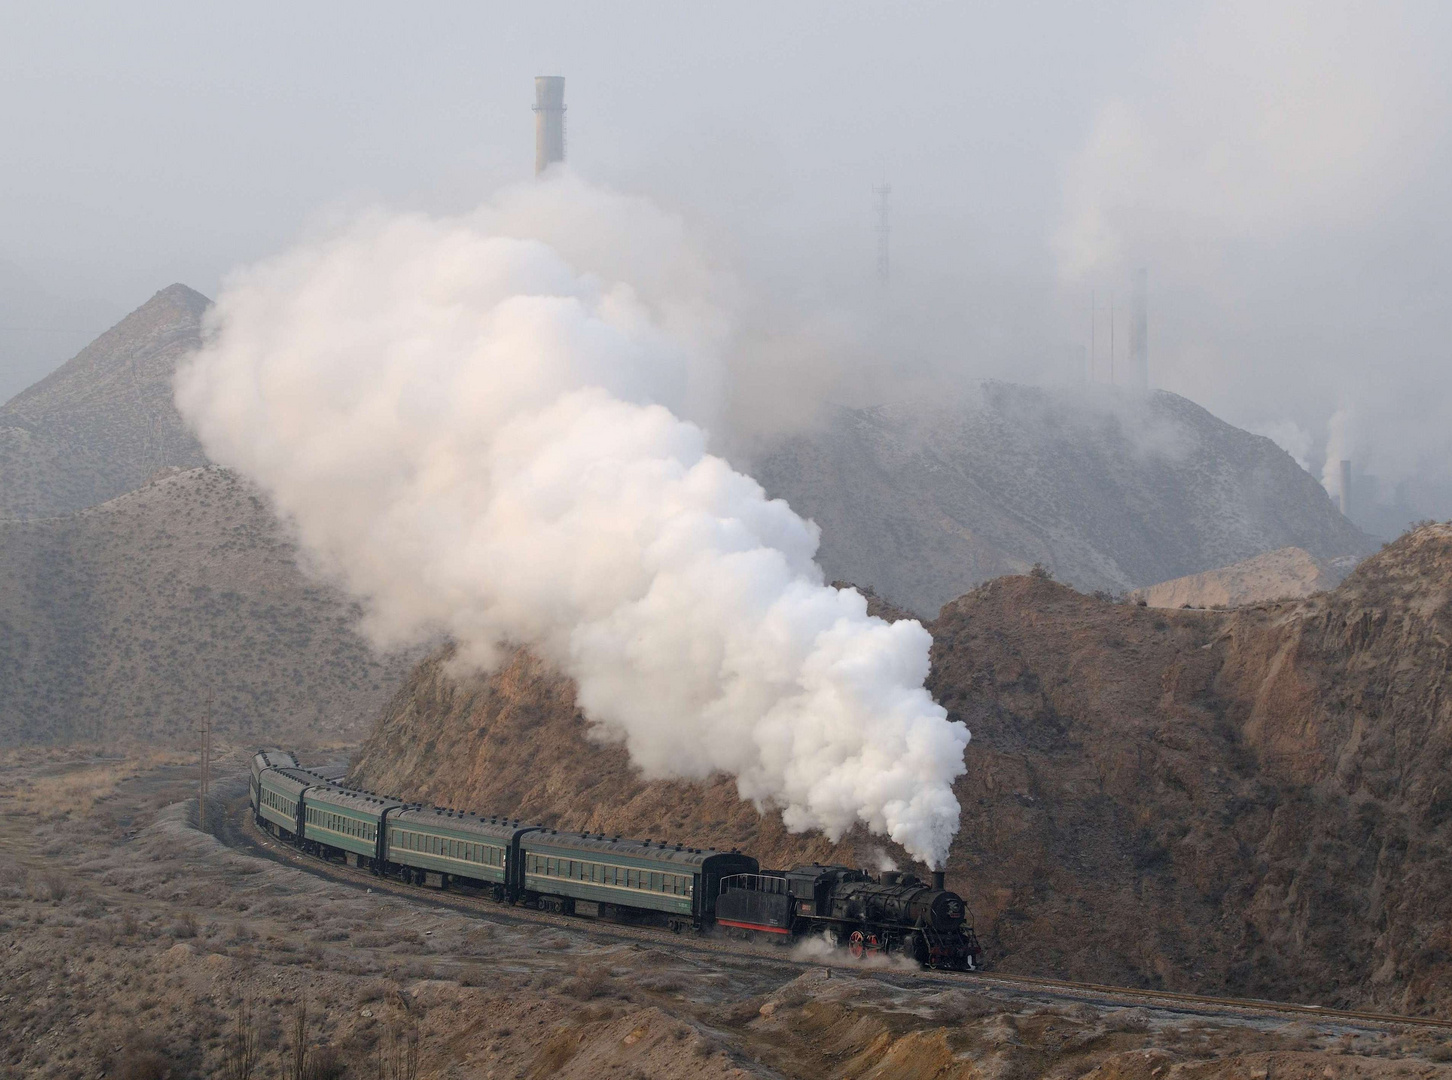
(1041,572)
(55,886)
(585,984)
(398,1053)
(474,975)
(146,1059)
(185,926)
(242,1047)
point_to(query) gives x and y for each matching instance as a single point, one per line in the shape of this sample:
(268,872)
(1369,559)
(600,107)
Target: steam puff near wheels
(475,426)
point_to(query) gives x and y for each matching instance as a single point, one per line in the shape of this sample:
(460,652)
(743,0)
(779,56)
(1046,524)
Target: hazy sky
(1282,170)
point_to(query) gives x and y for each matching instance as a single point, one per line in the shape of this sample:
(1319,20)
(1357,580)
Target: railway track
(240,832)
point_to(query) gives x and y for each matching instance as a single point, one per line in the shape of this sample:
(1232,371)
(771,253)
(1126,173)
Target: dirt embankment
(1255,801)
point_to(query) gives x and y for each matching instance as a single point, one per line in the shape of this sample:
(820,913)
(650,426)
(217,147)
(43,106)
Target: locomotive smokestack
(938,879)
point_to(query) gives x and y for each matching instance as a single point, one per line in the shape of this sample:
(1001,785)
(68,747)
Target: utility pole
(202,791)
(1111,337)
(884,227)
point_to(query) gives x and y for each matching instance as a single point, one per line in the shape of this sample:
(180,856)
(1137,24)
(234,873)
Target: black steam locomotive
(608,877)
(894,915)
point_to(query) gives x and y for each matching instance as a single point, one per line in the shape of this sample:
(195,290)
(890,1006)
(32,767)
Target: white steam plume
(473,426)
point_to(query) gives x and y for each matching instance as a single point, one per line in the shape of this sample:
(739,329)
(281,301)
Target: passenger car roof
(678,854)
(356,800)
(424,818)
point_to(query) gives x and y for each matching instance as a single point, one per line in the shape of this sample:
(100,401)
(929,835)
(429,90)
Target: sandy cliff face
(1255,801)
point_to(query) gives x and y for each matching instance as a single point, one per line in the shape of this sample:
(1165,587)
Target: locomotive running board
(753,926)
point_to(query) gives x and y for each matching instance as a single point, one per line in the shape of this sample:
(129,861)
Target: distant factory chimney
(549,121)
(1345,488)
(1139,329)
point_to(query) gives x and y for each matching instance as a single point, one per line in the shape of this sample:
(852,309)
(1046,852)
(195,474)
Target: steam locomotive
(896,914)
(595,876)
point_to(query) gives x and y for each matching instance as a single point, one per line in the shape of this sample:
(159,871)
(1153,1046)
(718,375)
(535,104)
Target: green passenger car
(346,823)
(279,800)
(261,762)
(585,874)
(459,845)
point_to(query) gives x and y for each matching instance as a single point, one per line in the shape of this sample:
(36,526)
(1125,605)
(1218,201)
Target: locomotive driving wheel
(857,945)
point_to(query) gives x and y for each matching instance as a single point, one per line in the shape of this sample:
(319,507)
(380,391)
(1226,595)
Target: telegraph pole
(202,791)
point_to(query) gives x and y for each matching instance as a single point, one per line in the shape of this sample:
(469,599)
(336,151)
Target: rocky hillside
(1253,801)
(103,422)
(118,621)
(1284,574)
(1109,490)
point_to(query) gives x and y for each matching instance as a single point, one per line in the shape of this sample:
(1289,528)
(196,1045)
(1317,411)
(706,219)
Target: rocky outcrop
(1285,574)
(1109,490)
(1253,801)
(103,422)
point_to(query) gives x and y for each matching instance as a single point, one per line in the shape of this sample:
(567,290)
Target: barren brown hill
(118,621)
(104,421)
(1254,801)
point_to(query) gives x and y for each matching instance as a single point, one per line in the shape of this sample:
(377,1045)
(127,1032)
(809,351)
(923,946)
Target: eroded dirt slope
(1254,801)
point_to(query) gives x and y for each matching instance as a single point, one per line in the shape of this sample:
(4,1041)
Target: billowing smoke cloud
(484,427)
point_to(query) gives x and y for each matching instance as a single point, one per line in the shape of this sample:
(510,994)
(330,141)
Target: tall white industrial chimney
(549,121)
(1139,329)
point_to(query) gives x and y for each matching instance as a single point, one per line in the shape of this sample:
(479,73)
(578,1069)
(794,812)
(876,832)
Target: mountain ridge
(104,421)
(1108,489)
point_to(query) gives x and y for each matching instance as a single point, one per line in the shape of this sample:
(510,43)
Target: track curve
(238,831)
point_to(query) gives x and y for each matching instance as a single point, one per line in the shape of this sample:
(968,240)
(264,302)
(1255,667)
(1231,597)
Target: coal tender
(895,914)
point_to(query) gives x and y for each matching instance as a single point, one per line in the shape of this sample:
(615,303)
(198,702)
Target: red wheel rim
(857,944)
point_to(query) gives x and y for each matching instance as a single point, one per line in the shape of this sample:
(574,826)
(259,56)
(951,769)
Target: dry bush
(14,880)
(398,1051)
(326,1064)
(666,983)
(585,984)
(55,886)
(147,1059)
(375,990)
(185,926)
(243,1046)
(474,975)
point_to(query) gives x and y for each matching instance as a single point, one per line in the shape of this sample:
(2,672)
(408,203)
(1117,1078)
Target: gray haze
(1281,169)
